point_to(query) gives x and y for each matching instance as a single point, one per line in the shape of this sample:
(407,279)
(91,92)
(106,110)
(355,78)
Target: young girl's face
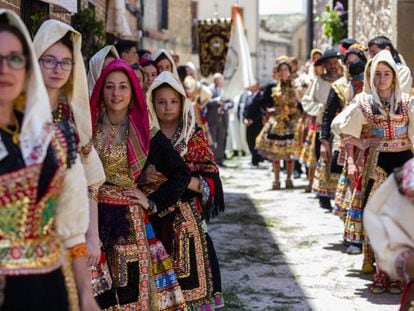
(167,104)
(151,74)
(164,65)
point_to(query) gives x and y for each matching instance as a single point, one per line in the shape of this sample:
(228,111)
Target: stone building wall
(55,11)
(391,18)
(100,8)
(11,5)
(299,44)
(405,34)
(177,36)
(179,28)
(368,19)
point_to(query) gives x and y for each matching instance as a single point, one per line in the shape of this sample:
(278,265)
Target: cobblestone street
(279,251)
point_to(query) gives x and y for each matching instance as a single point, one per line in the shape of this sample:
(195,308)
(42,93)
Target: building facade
(280,34)
(391,18)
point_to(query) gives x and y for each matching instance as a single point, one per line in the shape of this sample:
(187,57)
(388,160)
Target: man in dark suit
(217,117)
(252,118)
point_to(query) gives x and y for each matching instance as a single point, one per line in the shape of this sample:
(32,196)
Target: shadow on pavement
(378,299)
(357,273)
(338,247)
(254,271)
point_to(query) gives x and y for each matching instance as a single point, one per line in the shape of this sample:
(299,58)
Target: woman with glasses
(58,48)
(40,218)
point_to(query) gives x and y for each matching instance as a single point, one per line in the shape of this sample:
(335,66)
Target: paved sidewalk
(279,251)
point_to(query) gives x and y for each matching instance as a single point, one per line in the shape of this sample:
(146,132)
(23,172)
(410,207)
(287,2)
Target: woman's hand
(93,246)
(83,284)
(149,174)
(352,174)
(363,143)
(325,150)
(88,303)
(369,142)
(136,196)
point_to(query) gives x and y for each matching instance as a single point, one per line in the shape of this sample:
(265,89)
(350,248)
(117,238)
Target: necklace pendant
(15,138)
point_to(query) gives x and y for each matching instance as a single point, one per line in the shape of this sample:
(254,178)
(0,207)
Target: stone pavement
(278,250)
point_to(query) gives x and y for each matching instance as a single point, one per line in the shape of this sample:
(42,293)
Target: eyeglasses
(14,61)
(52,63)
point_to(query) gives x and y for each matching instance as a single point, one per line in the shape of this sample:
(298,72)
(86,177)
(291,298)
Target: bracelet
(204,189)
(152,207)
(93,191)
(78,251)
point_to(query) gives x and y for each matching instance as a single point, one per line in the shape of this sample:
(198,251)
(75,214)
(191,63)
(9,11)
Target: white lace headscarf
(187,123)
(384,56)
(96,63)
(48,34)
(37,127)
(159,52)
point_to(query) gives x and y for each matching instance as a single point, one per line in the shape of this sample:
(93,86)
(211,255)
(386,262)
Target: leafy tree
(332,25)
(92,31)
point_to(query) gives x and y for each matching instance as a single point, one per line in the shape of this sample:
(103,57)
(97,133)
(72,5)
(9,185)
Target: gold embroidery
(111,145)
(27,242)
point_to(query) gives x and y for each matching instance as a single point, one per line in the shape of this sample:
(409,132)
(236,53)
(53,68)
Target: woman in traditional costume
(388,221)
(140,268)
(183,231)
(381,124)
(58,48)
(44,204)
(276,140)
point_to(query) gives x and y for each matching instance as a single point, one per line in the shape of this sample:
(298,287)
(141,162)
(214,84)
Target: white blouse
(388,221)
(72,214)
(351,120)
(315,98)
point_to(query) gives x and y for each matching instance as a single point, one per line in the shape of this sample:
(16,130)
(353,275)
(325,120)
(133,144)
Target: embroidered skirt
(142,272)
(276,140)
(195,260)
(380,163)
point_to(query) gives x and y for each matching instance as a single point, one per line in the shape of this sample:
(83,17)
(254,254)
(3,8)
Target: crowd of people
(106,180)
(347,117)
(108,175)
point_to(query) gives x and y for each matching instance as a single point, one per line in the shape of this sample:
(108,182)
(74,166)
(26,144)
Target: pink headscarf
(139,126)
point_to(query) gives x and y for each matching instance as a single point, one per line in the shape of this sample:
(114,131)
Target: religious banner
(69,5)
(238,71)
(214,40)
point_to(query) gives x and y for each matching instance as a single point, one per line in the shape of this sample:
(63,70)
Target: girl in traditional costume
(164,61)
(276,140)
(183,230)
(140,268)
